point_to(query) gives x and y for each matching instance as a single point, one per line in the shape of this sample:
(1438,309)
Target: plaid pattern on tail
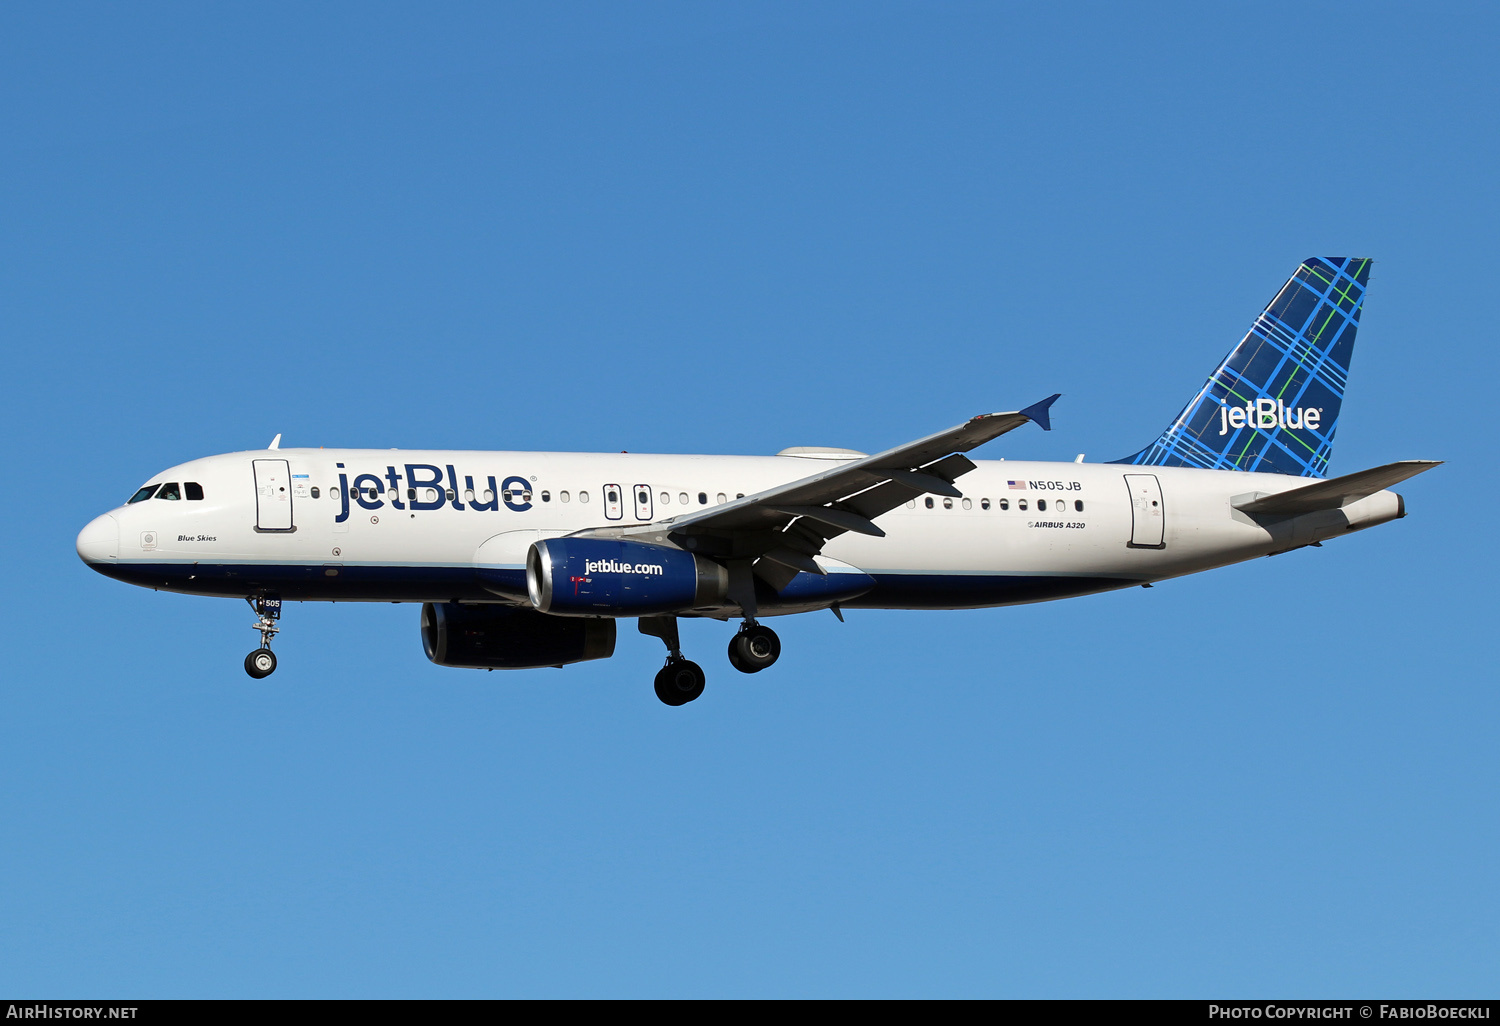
(1273,404)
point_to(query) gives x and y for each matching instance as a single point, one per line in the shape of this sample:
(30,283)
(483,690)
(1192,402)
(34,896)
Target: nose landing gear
(262,662)
(754,648)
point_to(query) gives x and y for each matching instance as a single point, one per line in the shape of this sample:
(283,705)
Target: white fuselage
(456,525)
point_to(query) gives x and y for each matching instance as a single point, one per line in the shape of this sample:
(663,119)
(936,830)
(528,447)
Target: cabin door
(1147,516)
(273,495)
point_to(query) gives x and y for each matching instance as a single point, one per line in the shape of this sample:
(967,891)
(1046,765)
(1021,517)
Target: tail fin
(1273,405)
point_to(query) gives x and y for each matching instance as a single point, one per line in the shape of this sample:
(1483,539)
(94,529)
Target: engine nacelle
(609,577)
(506,638)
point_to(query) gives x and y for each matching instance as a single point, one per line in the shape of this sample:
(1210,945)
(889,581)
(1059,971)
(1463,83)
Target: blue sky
(735,228)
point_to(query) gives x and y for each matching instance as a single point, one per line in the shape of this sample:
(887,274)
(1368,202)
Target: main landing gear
(754,648)
(681,680)
(262,662)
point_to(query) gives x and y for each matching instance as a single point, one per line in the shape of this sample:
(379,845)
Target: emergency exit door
(612,508)
(273,495)
(1147,517)
(642,495)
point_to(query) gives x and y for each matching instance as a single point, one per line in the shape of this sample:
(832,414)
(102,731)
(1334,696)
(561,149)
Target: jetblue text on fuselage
(373,491)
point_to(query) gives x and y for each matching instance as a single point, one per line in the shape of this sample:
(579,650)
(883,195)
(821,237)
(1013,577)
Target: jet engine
(506,638)
(610,577)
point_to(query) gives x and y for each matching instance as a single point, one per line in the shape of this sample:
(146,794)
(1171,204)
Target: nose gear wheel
(260,663)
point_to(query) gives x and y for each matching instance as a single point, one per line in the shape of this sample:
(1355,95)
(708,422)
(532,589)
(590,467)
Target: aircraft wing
(1333,493)
(782,528)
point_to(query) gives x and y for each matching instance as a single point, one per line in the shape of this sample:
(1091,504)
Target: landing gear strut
(262,662)
(681,680)
(754,648)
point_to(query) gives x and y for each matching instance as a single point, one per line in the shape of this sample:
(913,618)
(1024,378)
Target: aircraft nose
(99,542)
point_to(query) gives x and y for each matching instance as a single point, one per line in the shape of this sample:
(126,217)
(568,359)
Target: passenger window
(333,493)
(489,496)
(703,498)
(968,504)
(374,493)
(666,498)
(1005,504)
(1041,505)
(721,497)
(947,503)
(928,500)
(411,495)
(563,497)
(1020,504)
(911,503)
(450,493)
(469,495)
(739,495)
(143,494)
(984,503)
(1078,505)
(683,498)
(315,492)
(613,496)
(194,490)
(583,496)
(169,491)
(546,496)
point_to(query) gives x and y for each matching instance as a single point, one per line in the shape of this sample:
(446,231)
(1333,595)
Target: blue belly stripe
(365,583)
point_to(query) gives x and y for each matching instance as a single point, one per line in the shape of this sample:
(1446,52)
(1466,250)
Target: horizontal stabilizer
(1334,493)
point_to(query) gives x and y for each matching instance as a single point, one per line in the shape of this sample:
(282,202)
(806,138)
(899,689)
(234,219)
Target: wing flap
(920,481)
(834,517)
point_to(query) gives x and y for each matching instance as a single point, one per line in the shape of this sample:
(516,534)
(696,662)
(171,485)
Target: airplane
(524,560)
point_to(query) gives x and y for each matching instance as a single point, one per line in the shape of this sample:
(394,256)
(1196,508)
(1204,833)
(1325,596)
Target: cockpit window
(169,491)
(195,491)
(143,494)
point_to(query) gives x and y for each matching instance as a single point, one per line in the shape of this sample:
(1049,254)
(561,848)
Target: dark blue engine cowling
(506,638)
(607,577)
